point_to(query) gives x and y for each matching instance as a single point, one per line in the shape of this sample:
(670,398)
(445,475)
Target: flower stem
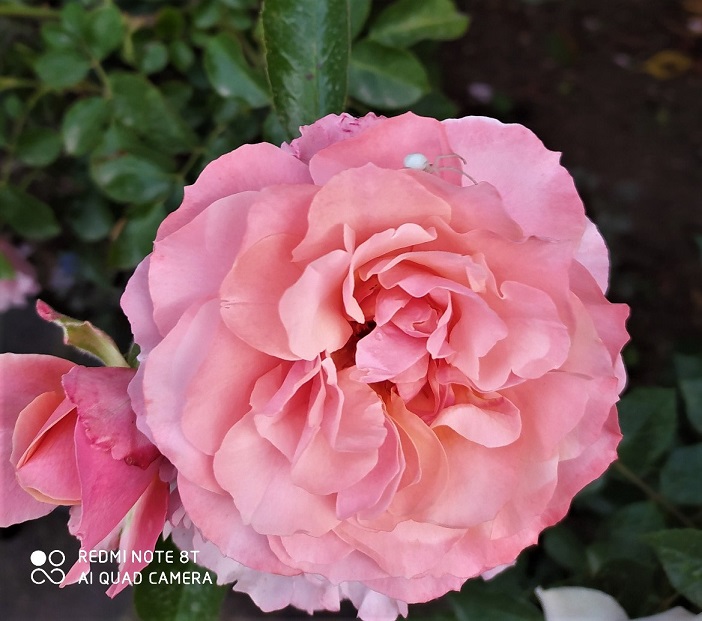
(653,494)
(30,12)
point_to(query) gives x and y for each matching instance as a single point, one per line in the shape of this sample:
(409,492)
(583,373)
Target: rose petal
(104,409)
(536,191)
(250,167)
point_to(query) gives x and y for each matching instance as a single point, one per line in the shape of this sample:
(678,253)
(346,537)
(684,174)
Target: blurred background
(108,109)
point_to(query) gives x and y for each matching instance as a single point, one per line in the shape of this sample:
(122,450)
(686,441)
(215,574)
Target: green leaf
(13,106)
(307,58)
(61,68)
(84,336)
(153,57)
(170,24)
(359,10)
(273,131)
(38,146)
(479,602)
(207,14)
(680,476)
(90,218)
(27,215)
(182,55)
(193,599)
(691,390)
(137,236)
(139,106)
(406,22)
(230,74)
(131,179)
(56,37)
(635,519)
(104,31)
(628,580)
(621,535)
(83,125)
(562,545)
(385,77)
(688,366)
(648,421)
(680,552)
(436,105)
(74,19)
(118,140)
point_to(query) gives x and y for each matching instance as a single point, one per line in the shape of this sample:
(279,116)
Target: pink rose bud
(375,379)
(68,436)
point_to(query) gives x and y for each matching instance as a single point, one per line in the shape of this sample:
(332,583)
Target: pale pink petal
(250,167)
(219,390)
(370,190)
(371,605)
(415,590)
(593,255)
(288,405)
(47,470)
(406,235)
(168,373)
(312,310)
(467,486)
(430,542)
(473,207)
(342,456)
(537,192)
(327,131)
(35,420)
(139,308)
(220,522)
(386,352)
(491,422)
(385,144)
(306,551)
(426,473)
(372,495)
(200,253)
(537,341)
(271,592)
(259,495)
(262,272)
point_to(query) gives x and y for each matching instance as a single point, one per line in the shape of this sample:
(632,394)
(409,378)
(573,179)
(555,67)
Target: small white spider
(419,161)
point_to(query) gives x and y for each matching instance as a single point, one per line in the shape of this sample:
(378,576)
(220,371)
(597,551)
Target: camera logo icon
(53,573)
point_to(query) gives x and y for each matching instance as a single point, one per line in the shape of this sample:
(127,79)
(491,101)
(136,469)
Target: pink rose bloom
(21,284)
(374,381)
(68,437)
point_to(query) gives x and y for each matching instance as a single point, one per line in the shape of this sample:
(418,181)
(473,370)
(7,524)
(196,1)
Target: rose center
(346,356)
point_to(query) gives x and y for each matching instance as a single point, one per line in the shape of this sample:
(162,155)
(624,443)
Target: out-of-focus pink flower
(17,277)
(68,437)
(377,376)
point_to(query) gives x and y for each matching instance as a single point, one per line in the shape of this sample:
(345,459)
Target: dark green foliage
(107,109)
(194,599)
(307,57)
